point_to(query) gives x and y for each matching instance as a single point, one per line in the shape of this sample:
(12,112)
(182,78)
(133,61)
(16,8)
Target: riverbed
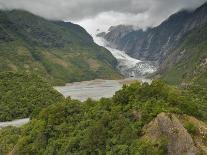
(16,123)
(94,89)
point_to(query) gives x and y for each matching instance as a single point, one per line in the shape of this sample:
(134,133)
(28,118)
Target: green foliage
(144,147)
(24,95)
(158,97)
(191,128)
(8,139)
(198,96)
(108,126)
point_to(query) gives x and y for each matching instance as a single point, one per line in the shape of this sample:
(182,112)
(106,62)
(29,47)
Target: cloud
(74,9)
(154,12)
(79,9)
(104,20)
(94,14)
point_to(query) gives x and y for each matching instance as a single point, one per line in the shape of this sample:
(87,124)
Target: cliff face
(156,43)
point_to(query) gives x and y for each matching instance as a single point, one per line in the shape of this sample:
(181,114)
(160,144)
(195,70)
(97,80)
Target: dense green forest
(58,51)
(22,95)
(108,126)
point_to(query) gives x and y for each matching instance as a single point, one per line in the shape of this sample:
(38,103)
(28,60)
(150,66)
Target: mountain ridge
(58,51)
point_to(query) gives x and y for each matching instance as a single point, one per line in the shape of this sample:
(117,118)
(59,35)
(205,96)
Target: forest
(108,126)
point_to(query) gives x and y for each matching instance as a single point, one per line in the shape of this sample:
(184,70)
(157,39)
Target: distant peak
(126,28)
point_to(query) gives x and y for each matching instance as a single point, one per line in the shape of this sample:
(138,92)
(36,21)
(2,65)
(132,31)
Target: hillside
(24,95)
(139,119)
(58,51)
(188,63)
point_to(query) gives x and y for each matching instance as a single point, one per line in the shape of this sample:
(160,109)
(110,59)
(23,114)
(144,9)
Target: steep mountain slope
(188,63)
(23,95)
(60,52)
(156,43)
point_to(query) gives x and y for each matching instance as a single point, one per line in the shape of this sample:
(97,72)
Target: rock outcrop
(179,140)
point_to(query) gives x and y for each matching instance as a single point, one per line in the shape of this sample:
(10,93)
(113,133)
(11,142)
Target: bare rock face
(117,32)
(180,141)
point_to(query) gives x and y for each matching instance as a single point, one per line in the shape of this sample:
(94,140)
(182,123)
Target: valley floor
(94,89)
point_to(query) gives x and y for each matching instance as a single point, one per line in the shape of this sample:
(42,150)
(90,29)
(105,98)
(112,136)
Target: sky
(101,14)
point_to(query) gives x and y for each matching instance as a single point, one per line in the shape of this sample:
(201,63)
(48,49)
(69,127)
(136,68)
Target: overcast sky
(100,14)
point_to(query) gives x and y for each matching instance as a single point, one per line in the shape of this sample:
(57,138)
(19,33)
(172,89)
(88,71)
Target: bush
(191,128)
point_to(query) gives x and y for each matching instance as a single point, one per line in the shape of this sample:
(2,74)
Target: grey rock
(180,141)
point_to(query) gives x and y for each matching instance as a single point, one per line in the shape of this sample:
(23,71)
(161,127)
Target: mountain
(58,51)
(139,119)
(117,32)
(173,45)
(155,43)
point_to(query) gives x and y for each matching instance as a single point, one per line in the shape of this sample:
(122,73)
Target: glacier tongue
(128,66)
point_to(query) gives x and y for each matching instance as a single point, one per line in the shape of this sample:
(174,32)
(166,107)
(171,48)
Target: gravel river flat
(94,89)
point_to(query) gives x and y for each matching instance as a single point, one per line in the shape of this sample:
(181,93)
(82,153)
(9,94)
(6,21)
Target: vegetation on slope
(23,95)
(8,139)
(188,63)
(187,67)
(108,126)
(60,52)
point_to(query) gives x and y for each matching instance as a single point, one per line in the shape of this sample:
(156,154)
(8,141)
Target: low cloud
(101,14)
